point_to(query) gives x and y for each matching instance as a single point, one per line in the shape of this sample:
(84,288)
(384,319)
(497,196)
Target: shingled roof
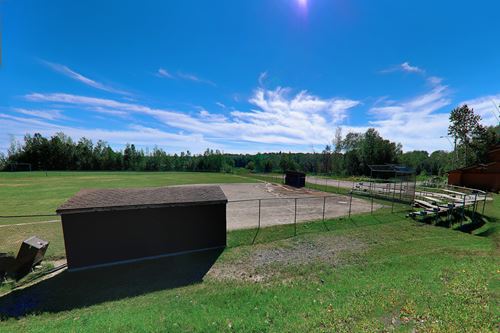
(132,198)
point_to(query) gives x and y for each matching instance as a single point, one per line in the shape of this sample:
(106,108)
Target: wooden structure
(485,176)
(295,179)
(110,226)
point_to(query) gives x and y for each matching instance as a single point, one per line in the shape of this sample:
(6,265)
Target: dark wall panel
(104,237)
(482,181)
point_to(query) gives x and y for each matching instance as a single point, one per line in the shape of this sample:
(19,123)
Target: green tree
(464,127)
(250,165)
(327,159)
(417,159)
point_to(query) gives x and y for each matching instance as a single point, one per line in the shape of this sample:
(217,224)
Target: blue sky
(246,76)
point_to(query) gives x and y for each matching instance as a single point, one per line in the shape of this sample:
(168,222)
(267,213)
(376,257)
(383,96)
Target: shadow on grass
(70,290)
(489,232)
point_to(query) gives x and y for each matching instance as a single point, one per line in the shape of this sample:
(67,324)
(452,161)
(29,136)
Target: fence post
(371,195)
(484,202)
(350,205)
(258,228)
(295,220)
(393,199)
(324,204)
(463,212)
(448,216)
(475,207)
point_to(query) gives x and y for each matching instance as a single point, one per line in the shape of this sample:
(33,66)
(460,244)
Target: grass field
(26,193)
(379,272)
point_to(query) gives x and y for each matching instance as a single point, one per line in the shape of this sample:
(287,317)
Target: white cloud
(406,67)
(164,73)
(44,114)
(282,119)
(434,80)
(487,107)
(83,79)
(194,78)
(221,105)
(279,117)
(262,78)
(139,135)
(418,122)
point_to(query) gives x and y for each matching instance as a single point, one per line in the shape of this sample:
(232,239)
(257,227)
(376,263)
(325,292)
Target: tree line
(349,155)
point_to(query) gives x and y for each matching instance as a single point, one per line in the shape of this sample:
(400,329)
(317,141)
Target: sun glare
(302,3)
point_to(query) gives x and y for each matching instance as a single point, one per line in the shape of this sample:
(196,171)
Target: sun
(302,3)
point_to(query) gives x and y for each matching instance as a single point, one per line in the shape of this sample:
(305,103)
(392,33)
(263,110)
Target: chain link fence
(268,212)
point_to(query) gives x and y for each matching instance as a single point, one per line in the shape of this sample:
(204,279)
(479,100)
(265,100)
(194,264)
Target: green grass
(408,275)
(27,193)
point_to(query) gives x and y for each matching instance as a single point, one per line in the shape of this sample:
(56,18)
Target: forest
(347,156)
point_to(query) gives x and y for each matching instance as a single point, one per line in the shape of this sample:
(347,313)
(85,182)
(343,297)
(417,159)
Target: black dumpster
(110,226)
(295,179)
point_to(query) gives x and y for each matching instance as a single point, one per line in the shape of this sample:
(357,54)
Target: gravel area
(264,261)
(278,205)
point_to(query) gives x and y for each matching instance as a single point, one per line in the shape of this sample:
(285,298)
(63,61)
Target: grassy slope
(409,275)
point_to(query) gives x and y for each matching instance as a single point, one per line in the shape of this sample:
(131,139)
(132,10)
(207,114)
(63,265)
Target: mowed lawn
(398,275)
(31,193)
(380,272)
(27,193)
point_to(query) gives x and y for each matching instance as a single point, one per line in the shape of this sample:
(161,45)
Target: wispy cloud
(194,78)
(417,122)
(163,73)
(44,114)
(488,107)
(278,117)
(404,67)
(65,70)
(262,78)
(141,136)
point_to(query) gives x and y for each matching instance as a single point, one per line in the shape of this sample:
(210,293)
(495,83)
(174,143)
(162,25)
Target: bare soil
(264,261)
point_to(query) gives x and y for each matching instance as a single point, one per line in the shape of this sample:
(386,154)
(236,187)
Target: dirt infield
(278,205)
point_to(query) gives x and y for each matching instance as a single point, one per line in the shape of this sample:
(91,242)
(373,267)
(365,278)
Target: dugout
(295,179)
(110,226)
